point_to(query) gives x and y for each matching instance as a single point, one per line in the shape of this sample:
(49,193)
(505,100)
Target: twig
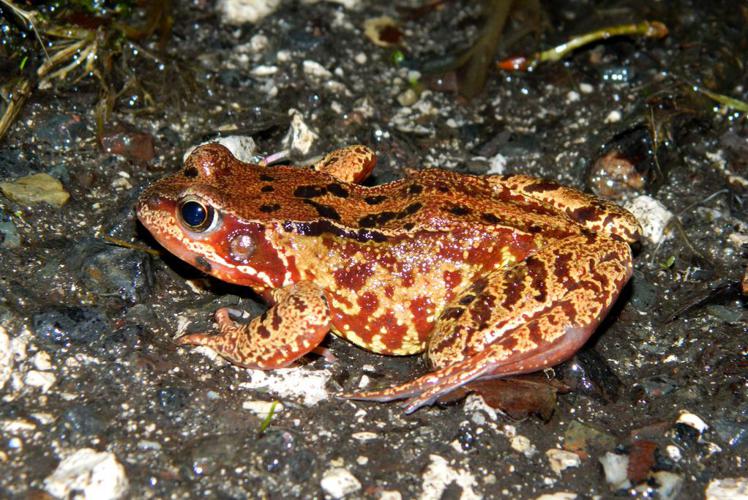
(650,29)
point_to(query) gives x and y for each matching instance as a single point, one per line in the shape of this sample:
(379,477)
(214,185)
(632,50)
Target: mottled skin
(491,276)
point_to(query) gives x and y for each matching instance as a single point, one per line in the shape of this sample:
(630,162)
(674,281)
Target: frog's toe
(383,395)
(426,390)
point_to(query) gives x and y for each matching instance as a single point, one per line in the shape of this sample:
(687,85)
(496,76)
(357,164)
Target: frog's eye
(196,215)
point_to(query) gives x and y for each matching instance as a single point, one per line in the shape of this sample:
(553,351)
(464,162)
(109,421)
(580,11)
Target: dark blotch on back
(541,186)
(190,172)
(490,218)
(324,210)
(467,299)
(459,210)
(202,264)
(337,190)
(452,313)
(415,189)
(269,208)
(373,220)
(310,191)
(263,332)
(410,210)
(266,178)
(375,200)
(267,189)
(585,214)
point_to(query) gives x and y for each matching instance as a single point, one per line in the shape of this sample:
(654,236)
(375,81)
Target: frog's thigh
(292,327)
(539,311)
(595,214)
(522,319)
(349,164)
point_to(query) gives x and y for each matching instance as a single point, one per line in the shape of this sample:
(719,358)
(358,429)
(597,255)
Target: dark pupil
(193,213)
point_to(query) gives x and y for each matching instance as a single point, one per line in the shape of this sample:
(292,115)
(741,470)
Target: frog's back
(426,200)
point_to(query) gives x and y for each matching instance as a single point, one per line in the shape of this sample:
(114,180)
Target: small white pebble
(238,12)
(652,215)
(673,452)
(42,361)
(364,382)
(586,88)
(360,58)
(728,488)
(90,474)
(559,495)
(615,467)
(562,459)
(43,380)
(613,117)
(338,482)
(263,71)
(365,436)
(692,420)
(315,70)
(573,96)
(523,445)
(262,408)
(389,495)
(258,43)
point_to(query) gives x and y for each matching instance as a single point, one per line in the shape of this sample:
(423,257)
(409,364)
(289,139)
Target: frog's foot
(499,360)
(294,326)
(349,164)
(424,390)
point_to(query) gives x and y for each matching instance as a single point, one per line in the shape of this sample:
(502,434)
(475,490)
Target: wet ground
(88,365)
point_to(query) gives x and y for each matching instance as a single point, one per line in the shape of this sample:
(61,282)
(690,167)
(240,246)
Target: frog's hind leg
(533,315)
(349,164)
(294,326)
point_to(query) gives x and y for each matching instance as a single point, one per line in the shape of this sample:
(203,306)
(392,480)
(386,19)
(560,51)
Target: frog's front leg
(349,164)
(522,319)
(294,326)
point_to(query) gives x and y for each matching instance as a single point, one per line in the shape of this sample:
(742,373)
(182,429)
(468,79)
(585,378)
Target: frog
(488,276)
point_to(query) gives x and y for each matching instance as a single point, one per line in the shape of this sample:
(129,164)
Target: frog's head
(215,215)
